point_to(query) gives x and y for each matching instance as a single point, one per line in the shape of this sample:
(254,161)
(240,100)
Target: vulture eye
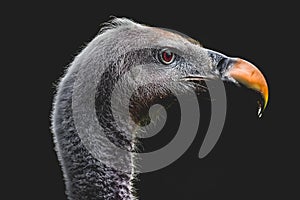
(166,56)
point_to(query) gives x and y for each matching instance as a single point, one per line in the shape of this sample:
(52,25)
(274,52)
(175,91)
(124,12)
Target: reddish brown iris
(167,57)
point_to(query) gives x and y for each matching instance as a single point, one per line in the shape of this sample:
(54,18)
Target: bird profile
(158,61)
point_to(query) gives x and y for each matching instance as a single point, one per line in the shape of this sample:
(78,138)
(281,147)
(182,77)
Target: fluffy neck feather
(85,177)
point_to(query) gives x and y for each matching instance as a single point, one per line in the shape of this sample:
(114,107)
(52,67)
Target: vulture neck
(86,177)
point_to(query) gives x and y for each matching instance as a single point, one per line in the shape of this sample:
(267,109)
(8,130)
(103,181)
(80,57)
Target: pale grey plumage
(85,176)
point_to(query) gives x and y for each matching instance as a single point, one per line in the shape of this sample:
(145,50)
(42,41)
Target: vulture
(83,117)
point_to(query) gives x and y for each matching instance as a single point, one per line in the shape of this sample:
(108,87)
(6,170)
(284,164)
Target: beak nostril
(220,61)
(221,65)
(224,64)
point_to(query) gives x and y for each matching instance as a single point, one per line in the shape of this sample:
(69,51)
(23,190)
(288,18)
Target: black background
(254,158)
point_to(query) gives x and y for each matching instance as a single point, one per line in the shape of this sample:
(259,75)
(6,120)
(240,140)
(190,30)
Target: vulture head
(156,60)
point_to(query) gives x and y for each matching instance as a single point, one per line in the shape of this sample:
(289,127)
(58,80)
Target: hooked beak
(239,71)
(248,75)
(243,72)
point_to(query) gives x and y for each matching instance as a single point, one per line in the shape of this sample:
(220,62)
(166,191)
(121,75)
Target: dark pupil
(167,56)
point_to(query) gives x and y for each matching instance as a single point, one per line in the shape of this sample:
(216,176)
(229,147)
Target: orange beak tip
(250,76)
